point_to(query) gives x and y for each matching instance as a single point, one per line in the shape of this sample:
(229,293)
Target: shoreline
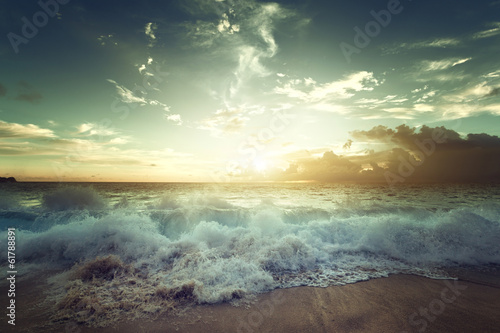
(399,303)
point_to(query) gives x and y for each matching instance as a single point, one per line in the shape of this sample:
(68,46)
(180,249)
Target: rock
(8,180)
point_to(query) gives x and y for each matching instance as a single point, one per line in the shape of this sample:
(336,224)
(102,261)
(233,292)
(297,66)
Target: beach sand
(399,303)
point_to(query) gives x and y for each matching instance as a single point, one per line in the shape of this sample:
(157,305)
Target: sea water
(233,240)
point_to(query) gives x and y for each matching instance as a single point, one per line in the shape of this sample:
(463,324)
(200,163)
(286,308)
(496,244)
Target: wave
(270,239)
(220,251)
(7,201)
(73,198)
(160,249)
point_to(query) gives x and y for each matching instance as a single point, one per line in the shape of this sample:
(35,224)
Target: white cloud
(430,43)
(118,141)
(29,131)
(175,118)
(423,108)
(454,111)
(226,121)
(94,129)
(129,97)
(439,65)
(149,30)
(310,91)
(242,35)
(460,61)
(439,42)
(473,93)
(488,33)
(107,40)
(495,74)
(126,95)
(369,101)
(225,26)
(493,108)
(261,21)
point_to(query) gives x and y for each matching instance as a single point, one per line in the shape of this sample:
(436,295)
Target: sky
(230,91)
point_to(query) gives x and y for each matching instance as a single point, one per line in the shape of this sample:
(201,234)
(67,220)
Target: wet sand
(399,303)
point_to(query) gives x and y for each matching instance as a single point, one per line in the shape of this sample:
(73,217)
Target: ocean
(162,244)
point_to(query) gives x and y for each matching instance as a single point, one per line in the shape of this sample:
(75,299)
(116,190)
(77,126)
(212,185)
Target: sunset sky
(227,90)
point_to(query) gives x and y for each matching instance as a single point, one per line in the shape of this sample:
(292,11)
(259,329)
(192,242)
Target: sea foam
(225,252)
(219,247)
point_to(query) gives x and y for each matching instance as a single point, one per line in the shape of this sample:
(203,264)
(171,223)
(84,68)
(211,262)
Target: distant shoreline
(492,182)
(8,180)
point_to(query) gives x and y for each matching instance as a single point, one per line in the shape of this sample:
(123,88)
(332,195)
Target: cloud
(126,95)
(145,69)
(493,92)
(149,30)
(311,92)
(403,135)
(118,141)
(129,97)
(225,26)
(175,118)
(23,149)
(442,70)
(20,139)
(444,42)
(328,168)
(114,156)
(455,158)
(488,33)
(29,131)
(27,93)
(423,107)
(443,64)
(408,154)
(242,36)
(493,108)
(430,43)
(89,129)
(472,93)
(224,122)
(493,75)
(259,27)
(107,40)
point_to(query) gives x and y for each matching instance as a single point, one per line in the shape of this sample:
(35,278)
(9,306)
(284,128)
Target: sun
(260,165)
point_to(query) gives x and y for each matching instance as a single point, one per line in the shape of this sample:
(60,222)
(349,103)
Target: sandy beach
(399,303)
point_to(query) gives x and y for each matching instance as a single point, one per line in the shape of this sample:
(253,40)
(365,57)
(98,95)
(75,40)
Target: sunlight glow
(260,165)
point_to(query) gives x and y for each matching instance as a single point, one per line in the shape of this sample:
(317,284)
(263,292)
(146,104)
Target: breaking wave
(73,198)
(220,251)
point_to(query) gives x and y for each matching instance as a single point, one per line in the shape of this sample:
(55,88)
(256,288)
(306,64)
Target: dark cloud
(413,155)
(494,92)
(32,97)
(403,135)
(24,85)
(3,90)
(347,145)
(329,168)
(27,93)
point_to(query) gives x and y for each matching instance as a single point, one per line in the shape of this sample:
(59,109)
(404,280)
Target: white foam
(228,250)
